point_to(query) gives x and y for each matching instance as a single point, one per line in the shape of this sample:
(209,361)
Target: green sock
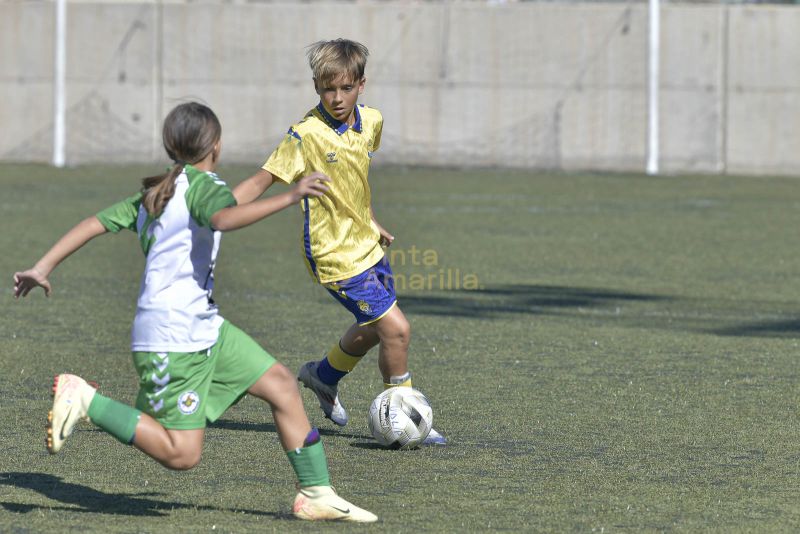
(310,465)
(117,419)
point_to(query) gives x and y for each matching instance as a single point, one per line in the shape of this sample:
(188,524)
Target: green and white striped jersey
(175,311)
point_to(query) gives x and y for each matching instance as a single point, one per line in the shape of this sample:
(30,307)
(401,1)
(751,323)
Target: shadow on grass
(89,500)
(622,308)
(779,329)
(270,427)
(494,301)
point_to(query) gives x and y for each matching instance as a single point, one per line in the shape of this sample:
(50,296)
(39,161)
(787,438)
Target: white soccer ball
(400,418)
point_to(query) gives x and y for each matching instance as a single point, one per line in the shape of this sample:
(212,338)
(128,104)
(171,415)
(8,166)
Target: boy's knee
(404,329)
(399,330)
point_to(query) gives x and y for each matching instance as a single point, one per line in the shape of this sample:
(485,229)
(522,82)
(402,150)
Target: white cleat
(320,503)
(71,399)
(328,395)
(434,438)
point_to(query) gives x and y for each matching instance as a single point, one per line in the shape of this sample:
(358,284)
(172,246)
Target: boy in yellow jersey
(342,241)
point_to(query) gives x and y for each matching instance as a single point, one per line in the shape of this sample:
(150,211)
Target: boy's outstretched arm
(36,276)
(253,187)
(235,217)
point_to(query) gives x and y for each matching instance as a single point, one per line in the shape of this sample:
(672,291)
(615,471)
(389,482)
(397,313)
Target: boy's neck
(351,119)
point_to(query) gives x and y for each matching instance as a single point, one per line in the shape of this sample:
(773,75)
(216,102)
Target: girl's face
(340,95)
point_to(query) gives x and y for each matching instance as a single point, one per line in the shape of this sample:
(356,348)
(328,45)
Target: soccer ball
(400,418)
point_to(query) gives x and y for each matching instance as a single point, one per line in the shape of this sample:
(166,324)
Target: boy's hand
(312,185)
(25,281)
(386,238)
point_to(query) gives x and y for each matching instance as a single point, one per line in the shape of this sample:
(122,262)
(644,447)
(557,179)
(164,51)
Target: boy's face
(340,95)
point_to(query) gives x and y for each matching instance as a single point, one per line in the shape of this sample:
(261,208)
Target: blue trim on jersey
(339,126)
(294,134)
(307,237)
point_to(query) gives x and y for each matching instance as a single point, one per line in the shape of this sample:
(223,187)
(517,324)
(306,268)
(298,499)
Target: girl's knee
(279,373)
(182,460)
(277,384)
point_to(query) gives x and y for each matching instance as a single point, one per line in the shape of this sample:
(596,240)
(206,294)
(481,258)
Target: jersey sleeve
(287,162)
(376,138)
(121,215)
(206,195)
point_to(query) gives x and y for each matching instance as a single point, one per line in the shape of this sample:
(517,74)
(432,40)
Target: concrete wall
(521,85)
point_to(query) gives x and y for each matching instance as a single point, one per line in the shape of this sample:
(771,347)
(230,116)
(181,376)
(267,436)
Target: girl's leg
(316,499)
(279,388)
(174,449)
(74,400)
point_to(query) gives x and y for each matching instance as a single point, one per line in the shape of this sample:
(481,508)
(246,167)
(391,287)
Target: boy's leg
(316,500)
(322,377)
(368,299)
(347,353)
(74,399)
(394,332)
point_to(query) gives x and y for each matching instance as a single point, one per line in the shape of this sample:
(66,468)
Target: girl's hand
(25,281)
(312,185)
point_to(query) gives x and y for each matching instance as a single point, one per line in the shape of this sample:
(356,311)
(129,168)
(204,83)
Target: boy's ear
(361,85)
(316,87)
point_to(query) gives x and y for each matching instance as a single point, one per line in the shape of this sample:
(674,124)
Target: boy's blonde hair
(330,59)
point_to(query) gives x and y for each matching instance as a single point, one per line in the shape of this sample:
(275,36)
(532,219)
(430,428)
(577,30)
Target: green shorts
(183,390)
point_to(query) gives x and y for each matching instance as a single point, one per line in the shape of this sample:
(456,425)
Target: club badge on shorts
(188,402)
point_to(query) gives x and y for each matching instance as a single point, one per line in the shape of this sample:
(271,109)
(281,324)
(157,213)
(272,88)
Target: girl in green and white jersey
(192,364)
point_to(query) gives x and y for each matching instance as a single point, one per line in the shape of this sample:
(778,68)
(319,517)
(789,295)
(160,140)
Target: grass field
(624,359)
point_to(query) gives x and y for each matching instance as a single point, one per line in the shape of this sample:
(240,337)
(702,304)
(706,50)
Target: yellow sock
(340,360)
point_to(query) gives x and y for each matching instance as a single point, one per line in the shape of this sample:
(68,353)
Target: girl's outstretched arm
(236,217)
(36,276)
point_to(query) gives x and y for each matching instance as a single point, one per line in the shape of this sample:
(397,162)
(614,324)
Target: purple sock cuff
(312,438)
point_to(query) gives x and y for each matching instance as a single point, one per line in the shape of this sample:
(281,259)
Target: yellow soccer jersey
(339,238)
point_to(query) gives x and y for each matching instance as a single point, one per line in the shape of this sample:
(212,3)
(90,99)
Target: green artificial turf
(605,353)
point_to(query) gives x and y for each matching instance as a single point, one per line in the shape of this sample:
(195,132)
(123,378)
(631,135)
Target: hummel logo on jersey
(331,157)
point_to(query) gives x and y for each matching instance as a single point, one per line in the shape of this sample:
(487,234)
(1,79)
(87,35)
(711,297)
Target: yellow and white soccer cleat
(71,399)
(320,503)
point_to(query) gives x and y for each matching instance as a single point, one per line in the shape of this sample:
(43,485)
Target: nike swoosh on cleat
(61,430)
(340,510)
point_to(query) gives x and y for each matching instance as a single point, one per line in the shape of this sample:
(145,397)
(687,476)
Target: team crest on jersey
(188,402)
(331,157)
(364,306)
